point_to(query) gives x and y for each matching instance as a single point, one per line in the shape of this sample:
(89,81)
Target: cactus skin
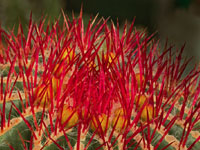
(67,87)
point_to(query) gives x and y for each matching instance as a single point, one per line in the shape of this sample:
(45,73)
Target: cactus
(75,87)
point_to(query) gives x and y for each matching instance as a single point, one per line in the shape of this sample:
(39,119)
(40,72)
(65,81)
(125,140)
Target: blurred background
(177,20)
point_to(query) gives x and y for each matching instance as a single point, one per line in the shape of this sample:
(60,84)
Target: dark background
(177,20)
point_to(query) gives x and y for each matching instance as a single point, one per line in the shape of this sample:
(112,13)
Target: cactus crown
(75,87)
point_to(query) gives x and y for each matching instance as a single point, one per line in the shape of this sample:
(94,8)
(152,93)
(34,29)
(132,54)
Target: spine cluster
(91,87)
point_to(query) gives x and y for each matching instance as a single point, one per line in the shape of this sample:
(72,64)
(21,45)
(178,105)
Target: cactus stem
(98,74)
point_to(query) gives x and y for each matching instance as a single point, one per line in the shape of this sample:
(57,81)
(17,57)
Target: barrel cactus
(92,87)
